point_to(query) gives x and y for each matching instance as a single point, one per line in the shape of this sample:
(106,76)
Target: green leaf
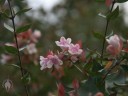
(23,28)
(8,27)
(26,78)
(120,85)
(113,14)
(4,15)
(15,65)
(87,87)
(10,49)
(23,11)
(98,35)
(125,67)
(121,1)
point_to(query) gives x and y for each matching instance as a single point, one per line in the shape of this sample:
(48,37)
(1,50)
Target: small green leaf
(26,78)
(11,49)
(125,67)
(15,65)
(121,1)
(23,11)
(23,28)
(120,85)
(4,15)
(8,27)
(21,49)
(98,35)
(113,14)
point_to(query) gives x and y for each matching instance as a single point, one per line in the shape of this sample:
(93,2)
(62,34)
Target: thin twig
(116,64)
(17,46)
(81,70)
(105,33)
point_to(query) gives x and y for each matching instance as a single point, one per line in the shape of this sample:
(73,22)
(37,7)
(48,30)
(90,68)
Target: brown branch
(17,46)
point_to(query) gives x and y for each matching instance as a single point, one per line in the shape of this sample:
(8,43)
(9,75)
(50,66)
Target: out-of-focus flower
(61,91)
(5,58)
(75,49)
(99,94)
(37,34)
(31,48)
(7,84)
(63,43)
(75,84)
(115,45)
(50,61)
(74,59)
(28,36)
(108,2)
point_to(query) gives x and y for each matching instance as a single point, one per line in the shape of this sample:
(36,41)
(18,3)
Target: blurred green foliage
(77,19)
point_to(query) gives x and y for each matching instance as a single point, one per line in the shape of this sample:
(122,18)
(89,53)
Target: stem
(105,33)
(116,64)
(81,70)
(17,46)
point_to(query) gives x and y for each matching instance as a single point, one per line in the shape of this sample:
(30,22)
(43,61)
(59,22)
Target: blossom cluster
(72,51)
(26,41)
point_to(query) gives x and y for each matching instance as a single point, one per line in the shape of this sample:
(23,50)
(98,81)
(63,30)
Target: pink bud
(115,45)
(75,84)
(108,2)
(61,91)
(37,34)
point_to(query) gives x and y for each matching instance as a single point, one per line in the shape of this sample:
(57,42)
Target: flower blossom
(61,90)
(50,61)
(75,49)
(63,43)
(31,48)
(115,45)
(108,2)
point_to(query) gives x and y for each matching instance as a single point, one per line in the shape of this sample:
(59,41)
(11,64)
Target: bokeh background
(77,19)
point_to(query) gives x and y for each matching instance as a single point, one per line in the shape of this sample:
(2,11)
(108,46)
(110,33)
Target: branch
(17,46)
(116,64)
(105,33)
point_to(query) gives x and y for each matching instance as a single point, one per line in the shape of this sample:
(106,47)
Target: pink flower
(37,34)
(75,49)
(75,84)
(115,45)
(5,58)
(31,48)
(108,2)
(61,90)
(63,43)
(50,61)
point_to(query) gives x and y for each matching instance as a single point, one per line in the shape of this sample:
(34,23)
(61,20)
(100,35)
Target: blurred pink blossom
(115,45)
(75,49)
(61,90)
(5,58)
(37,34)
(31,48)
(50,61)
(63,43)
(108,2)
